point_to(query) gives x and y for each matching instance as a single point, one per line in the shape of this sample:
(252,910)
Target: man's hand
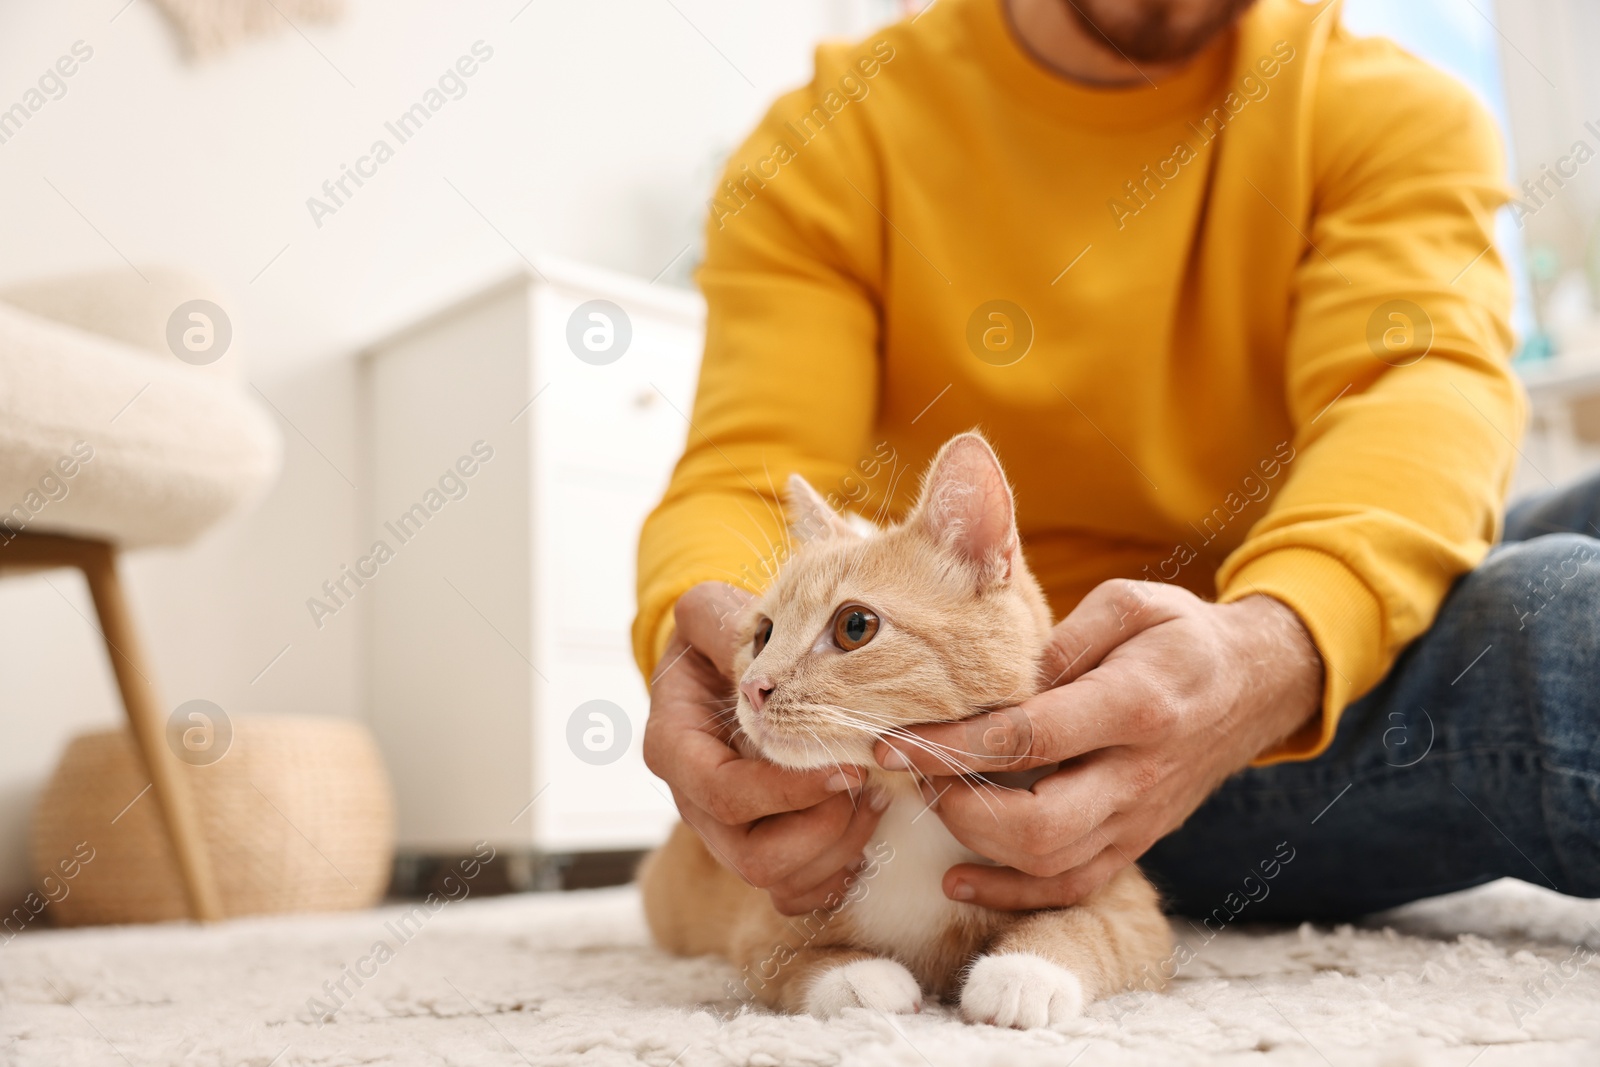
(800,835)
(1157,696)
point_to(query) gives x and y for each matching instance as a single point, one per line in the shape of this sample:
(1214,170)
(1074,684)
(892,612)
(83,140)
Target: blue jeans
(1476,758)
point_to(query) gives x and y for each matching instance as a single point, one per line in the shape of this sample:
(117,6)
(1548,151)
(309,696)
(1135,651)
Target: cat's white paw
(879,985)
(1021,990)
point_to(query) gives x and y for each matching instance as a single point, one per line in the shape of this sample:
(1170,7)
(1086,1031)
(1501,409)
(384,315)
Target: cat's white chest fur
(901,907)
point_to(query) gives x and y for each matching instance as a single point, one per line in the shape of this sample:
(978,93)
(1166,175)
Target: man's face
(1155,31)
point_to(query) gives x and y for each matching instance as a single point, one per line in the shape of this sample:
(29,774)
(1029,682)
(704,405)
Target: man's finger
(769,853)
(726,843)
(1005,889)
(842,854)
(1055,824)
(780,847)
(707,617)
(684,669)
(1004,740)
(736,790)
(784,846)
(825,897)
(1112,613)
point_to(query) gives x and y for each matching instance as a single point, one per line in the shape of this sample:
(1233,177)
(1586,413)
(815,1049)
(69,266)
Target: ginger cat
(860,635)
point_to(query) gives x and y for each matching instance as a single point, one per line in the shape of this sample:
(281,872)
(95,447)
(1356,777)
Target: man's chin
(1149,36)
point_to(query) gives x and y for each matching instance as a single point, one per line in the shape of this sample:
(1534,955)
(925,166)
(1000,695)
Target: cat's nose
(756,691)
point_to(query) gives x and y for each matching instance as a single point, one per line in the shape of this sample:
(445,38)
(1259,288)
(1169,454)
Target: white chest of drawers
(504,605)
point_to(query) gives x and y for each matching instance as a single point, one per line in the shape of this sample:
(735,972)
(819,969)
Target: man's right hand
(800,835)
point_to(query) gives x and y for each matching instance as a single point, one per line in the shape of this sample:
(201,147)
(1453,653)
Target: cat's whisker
(938,752)
(776,513)
(895,475)
(855,799)
(807,744)
(891,727)
(945,755)
(860,554)
(982,787)
(788,539)
(837,715)
(979,783)
(777,558)
(836,720)
(879,512)
(1040,761)
(733,578)
(768,558)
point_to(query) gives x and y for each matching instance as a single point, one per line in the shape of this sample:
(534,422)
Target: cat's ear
(967,506)
(810,517)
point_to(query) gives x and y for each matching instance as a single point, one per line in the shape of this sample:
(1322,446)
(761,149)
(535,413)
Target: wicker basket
(298,816)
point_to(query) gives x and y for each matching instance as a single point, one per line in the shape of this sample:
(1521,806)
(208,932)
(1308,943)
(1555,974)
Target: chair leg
(99,564)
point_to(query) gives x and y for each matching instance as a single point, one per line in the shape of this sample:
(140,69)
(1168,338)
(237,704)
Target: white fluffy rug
(571,979)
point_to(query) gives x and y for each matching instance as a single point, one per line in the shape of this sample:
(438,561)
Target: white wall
(591,133)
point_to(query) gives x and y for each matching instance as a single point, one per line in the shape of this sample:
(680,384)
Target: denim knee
(1548,588)
(1528,620)
(1537,606)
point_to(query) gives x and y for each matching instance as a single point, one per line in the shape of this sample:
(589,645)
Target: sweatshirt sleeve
(1402,400)
(789,380)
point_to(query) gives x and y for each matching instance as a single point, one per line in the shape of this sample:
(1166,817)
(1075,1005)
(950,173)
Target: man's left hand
(1156,697)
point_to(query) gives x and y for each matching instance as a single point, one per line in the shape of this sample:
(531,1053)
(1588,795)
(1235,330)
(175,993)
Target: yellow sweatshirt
(1244,330)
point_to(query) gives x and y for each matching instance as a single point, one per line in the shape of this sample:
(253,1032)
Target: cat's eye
(763,635)
(854,626)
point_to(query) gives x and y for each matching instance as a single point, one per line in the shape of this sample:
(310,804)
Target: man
(1218,281)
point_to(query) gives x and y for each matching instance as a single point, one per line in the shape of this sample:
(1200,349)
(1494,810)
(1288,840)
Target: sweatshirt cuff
(1345,620)
(652,630)
(653,626)
(663,636)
